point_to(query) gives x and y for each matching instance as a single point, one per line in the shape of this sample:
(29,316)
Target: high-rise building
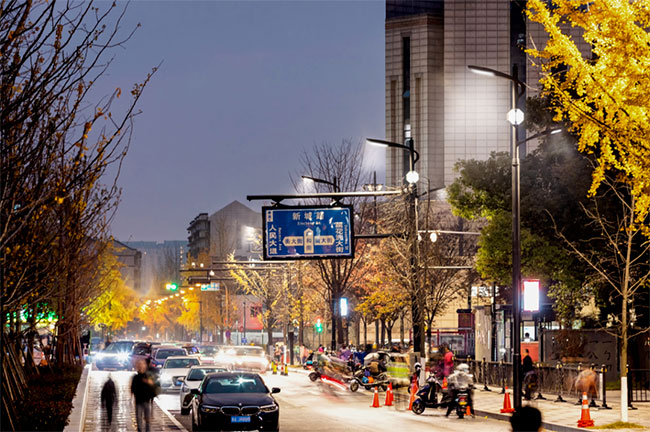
(198,240)
(451,113)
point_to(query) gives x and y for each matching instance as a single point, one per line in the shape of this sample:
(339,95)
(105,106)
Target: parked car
(191,381)
(234,401)
(175,367)
(116,356)
(160,354)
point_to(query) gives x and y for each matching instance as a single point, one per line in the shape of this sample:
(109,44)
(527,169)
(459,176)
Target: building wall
(158,255)
(131,260)
(235,229)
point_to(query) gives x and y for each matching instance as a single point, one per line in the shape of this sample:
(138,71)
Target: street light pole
(412,177)
(515,117)
(516,247)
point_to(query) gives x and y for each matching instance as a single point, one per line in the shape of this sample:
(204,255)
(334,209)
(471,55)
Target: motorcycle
(363,378)
(462,401)
(314,375)
(427,396)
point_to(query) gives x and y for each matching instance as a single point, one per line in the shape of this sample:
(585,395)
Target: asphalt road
(315,407)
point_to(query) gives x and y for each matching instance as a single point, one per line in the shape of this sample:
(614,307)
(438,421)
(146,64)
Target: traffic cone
(389,396)
(507,408)
(468,411)
(414,391)
(585,419)
(375,400)
(444,383)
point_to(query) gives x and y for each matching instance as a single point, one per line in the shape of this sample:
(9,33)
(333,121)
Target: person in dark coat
(143,390)
(108,397)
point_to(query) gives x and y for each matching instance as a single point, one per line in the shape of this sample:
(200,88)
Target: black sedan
(234,401)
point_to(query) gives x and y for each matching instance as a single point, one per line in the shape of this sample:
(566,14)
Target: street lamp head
(412,177)
(211,272)
(481,70)
(515,116)
(433,237)
(307,180)
(376,143)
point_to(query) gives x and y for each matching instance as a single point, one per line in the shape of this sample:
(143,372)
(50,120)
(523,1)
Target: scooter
(427,396)
(462,401)
(366,380)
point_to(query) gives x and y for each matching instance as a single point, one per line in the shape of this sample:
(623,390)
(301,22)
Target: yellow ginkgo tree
(603,97)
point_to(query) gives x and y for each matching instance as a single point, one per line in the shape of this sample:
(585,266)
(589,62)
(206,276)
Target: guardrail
(554,380)
(639,385)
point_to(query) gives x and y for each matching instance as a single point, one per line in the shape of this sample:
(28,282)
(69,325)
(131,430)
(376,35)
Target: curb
(547,426)
(77,417)
(178,424)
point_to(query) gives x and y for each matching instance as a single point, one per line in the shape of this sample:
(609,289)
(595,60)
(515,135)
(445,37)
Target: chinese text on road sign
(308,232)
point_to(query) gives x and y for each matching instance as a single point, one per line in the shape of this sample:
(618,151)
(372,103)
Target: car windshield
(208,350)
(180,363)
(116,347)
(235,384)
(199,374)
(164,353)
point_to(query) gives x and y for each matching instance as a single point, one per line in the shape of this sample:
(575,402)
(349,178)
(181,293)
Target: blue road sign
(212,286)
(308,232)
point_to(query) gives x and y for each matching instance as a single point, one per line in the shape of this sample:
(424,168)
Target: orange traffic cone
(468,411)
(389,396)
(585,419)
(414,391)
(507,408)
(444,383)
(375,400)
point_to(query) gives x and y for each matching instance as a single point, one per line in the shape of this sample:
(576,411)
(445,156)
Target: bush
(48,399)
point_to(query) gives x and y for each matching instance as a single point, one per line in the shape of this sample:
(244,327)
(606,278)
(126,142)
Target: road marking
(170,416)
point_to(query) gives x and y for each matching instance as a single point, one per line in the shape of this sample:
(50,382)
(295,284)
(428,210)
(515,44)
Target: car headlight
(123,356)
(99,356)
(165,378)
(209,409)
(269,408)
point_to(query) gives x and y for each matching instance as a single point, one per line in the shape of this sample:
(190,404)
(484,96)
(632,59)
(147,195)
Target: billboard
(304,232)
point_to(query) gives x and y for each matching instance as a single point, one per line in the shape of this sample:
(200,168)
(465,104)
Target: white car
(191,381)
(175,367)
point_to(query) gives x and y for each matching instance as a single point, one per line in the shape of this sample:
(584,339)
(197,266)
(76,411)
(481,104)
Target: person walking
(143,390)
(108,398)
(448,361)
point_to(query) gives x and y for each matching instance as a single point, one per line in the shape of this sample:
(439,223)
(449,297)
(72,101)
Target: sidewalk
(562,416)
(124,411)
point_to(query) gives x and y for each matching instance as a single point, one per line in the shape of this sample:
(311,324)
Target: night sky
(243,88)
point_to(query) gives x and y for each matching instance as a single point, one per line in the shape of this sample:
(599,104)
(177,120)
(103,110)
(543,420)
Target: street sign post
(212,286)
(305,232)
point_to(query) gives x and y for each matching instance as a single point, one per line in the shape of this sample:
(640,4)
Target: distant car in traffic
(247,358)
(141,351)
(160,353)
(191,381)
(175,367)
(234,401)
(116,356)
(207,354)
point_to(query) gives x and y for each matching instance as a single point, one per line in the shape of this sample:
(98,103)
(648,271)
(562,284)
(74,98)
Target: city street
(308,406)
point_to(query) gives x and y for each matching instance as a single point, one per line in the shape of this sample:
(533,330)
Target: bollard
(593,403)
(485,387)
(579,402)
(539,384)
(503,377)
(560,383)
(603,380)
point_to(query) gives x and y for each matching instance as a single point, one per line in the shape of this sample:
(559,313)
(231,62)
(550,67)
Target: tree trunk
(624,330)
(401,329)
(377,333)
(383,333)
(365,333)
(389,332)
(333,311)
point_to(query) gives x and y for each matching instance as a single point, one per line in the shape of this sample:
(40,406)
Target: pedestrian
(108,398)
(526,419)
(143,390)
(448,361)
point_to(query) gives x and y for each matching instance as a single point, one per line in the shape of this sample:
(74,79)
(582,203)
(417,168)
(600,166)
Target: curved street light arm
(481,70)
(394,145)
(318,180)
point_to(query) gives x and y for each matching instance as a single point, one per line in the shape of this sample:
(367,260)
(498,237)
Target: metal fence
(639,385)
(554,381)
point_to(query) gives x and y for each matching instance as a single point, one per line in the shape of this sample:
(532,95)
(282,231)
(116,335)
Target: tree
(340,164)
(603,96)
(115,306)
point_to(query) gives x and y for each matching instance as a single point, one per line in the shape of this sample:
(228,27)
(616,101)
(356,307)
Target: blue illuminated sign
(308,232)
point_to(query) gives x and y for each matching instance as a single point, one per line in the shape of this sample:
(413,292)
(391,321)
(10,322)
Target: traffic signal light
(173,286)
(318,326)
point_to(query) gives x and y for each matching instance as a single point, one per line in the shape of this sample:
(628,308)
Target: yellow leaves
(603,96)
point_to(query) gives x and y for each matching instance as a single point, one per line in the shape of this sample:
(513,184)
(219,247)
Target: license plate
(240,419)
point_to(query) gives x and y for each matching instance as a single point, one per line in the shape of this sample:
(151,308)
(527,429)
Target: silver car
(191,381)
